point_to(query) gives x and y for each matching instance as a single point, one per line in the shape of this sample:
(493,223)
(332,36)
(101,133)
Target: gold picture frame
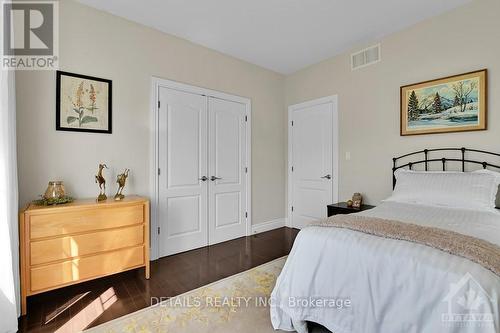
(456,103)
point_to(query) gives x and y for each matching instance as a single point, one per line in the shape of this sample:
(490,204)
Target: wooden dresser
(80,241)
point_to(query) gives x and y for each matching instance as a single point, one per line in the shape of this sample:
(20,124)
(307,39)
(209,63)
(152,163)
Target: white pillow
(497,179)
(470,190)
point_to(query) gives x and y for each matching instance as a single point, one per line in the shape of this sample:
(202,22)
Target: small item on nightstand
(121,179)
(99,178)
(357,200)
(349,203)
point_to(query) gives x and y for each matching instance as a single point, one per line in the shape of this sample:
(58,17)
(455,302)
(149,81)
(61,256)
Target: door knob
(213,178)
(203,179)
(327,177)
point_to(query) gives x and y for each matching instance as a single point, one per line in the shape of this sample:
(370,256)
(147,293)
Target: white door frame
(335,146)
(164,83)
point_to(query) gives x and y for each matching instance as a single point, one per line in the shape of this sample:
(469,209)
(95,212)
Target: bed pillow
(470,190)
(497,175)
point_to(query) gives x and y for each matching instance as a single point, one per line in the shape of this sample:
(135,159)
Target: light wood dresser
(80,241)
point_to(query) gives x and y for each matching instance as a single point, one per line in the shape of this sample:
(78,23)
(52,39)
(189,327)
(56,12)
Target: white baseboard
(268,225)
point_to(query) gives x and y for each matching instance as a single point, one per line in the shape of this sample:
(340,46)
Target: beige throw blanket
(474,249)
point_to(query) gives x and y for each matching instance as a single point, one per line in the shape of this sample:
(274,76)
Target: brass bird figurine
(121,179)
(99,178)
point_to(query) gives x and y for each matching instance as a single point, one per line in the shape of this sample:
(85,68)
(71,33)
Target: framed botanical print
(83,103)
(452,104)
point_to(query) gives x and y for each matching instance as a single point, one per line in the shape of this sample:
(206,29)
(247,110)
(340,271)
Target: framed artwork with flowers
(83,103)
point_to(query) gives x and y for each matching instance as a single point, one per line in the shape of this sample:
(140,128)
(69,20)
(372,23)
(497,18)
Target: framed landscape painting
(83,103)
(452,104)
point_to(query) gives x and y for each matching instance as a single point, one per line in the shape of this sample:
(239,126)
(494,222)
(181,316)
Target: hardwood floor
(95,302)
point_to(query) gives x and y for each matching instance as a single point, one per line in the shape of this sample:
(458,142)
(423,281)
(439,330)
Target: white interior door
(182,158)
(312,174)
(227,170)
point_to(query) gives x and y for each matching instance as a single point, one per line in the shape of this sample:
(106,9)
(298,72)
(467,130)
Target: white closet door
(312,176)
(227,157)
(183,161)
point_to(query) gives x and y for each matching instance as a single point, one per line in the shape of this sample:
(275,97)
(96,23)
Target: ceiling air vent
(366,57)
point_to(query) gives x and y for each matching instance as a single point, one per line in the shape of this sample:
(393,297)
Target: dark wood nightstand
(341,208)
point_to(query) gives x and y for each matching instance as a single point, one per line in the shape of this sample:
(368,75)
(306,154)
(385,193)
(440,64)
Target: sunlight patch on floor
(90,313)
(53,315)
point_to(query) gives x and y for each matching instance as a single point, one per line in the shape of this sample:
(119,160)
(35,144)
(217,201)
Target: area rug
(239,303)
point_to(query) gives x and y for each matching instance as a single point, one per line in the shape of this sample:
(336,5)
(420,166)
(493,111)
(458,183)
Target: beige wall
(463,40)
(99,44)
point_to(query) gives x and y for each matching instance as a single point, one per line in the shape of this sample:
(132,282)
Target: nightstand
(341,208)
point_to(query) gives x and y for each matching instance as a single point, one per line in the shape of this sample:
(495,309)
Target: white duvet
(392,285)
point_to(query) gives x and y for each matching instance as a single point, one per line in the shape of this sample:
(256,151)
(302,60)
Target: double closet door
(203,172)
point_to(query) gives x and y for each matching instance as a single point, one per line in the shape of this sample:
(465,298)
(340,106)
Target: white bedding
(393,286)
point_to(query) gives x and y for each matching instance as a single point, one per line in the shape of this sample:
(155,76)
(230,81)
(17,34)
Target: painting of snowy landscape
(444,105)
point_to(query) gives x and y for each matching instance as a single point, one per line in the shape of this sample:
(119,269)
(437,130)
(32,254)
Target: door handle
(213,178)
(203,179)
(327,177)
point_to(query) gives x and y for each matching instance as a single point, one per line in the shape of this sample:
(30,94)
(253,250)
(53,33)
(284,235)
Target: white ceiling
(281,35)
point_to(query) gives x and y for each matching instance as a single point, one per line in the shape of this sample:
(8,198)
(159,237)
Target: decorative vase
(55,190)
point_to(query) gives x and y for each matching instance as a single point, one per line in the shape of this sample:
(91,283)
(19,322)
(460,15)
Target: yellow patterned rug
(238,303)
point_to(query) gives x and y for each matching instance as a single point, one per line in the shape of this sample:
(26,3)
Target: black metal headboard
(427,160)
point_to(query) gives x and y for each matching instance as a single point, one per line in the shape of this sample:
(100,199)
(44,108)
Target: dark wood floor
(95,302)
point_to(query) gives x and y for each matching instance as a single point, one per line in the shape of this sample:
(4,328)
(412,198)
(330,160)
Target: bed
(350,281)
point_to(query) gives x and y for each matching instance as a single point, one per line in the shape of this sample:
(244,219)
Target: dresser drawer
(48,276)
(67,247)
(64,223)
